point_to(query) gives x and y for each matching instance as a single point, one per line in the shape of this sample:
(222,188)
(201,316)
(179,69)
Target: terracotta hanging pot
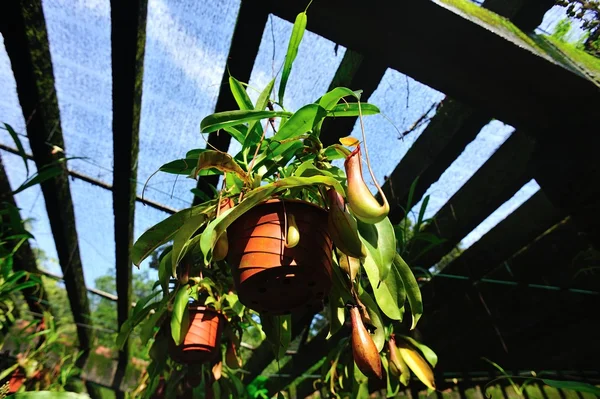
(17,379)
(270,277)
(201,343)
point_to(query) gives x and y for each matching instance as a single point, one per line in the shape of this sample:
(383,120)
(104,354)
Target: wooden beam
(263,355)
(515,232)
(26,40)
(314,350)
(24,259)
(453,127)
(245,43)
(504,173)
(482,319)
(128,40)
(507,62)
(568,172)
(357,72)
(99,183)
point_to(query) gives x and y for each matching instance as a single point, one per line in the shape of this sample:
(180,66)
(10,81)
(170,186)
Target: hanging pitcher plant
(286,231)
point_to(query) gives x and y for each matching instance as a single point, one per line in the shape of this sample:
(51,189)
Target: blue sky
(186,50)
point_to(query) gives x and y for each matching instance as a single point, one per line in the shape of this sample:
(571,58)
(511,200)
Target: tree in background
(588,12)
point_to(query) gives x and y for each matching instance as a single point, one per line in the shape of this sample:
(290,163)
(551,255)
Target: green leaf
(19,145)
(180,318)
(373,310)
(429,354)
(292,52)
(237,132)
(254,133)
(216,227)
(46,173)
(221,120)
(351,109)
(181,239)
(573,385)
(139,313)
(331,98)
(422,213)
(389,293)
(278,330)
(413,293)
(165,272)
(187,167)
(300,122)
(380,240)
(164,231)
(239,94)
(49,395)
(335,151)
(393,383)
(148,327)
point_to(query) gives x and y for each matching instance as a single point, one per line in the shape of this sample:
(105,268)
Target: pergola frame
(517,92)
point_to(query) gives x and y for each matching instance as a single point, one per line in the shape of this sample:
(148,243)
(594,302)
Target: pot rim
(297,201)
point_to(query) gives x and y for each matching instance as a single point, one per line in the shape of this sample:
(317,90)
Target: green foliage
(562,29)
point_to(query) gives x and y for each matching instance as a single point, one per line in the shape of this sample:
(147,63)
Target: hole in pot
(262,290)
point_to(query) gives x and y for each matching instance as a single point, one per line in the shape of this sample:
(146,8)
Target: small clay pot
(271,278)
(202,341)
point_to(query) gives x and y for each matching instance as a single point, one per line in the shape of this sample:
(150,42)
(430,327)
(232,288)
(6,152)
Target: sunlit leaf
(292,52)
(222,120)
(46,173)
(19,145)
(254,129)
(300,122)
(185,232)
(180,318)
(278,330)
(331,98)
(239,94)
(413,293)
(380,240)
(389,293)
(429,354)
(164,231)
(351,109)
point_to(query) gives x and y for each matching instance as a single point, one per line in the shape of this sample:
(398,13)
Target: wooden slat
(357,72)
(517,230)
(26,40)
(314,350)
(568,171)
(453,127)
(24,258)
(128,40)
(450,130)
(464,322)
(246,39)
(99,183)
(263,355)
(505,172)
(505,65)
